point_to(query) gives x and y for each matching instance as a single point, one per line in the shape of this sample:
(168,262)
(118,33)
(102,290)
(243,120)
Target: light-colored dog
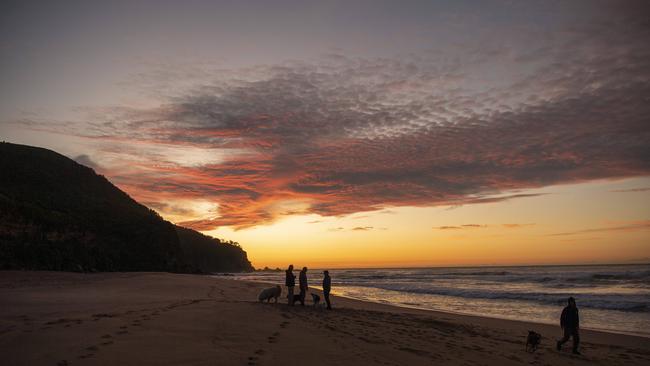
(271,292)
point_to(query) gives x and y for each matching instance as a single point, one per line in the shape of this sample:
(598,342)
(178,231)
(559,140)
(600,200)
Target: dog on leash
(269,293)
(532,341)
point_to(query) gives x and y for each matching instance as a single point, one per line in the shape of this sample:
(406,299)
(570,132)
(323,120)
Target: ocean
(613,298)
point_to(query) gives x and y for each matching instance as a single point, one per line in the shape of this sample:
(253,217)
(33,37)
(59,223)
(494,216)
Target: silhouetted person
(290,282)
(570,323)
(302,279)
(327,286)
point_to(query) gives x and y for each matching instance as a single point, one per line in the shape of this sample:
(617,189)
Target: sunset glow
(381,137)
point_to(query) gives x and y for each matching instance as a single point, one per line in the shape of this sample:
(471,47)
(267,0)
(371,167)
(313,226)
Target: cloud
(460,227)
(479,226)
(631,227)
(516,226)
(360,217)
(362,228)
(632,190)
(357,228)
(342,135)
(85,160)
(165,208)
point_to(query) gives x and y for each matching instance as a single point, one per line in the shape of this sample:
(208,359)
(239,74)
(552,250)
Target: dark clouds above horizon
(339,134)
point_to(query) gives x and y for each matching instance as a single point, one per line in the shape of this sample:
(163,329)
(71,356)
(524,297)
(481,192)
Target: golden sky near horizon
(568,225)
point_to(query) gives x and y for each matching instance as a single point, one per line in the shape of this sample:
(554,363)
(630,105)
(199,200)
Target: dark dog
(315,298)
(532,341)
(296,298)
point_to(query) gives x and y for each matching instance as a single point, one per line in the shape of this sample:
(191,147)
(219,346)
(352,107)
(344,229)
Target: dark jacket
(570,318)
(290,279)
(303,279)
(327,283)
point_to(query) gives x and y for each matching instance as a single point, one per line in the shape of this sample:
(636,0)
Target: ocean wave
(480,273)
(624,288)
(629,303)
(614,297)
(552,277)
(622,276)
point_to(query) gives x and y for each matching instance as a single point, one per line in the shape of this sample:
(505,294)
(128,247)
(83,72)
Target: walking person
(570,323)
(302,279)
(290,282)
(327,286)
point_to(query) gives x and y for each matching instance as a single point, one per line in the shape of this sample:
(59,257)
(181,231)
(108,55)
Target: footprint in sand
(252,360)
(62,363)
(414,351)
(260,352)
(284,324)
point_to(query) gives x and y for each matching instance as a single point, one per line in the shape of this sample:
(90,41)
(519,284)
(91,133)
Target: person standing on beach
(303,285)
(570,323)
(327,286)
(290,282)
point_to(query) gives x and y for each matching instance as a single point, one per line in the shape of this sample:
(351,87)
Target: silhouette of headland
(56,214)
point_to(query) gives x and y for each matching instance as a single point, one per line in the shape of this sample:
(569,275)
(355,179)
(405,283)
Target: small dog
(532,341)
(315,298)
(271,292)
(317,303)
(296,298)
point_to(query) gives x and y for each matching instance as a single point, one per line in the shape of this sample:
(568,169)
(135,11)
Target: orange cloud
(631,227)
(516,226)
(303,140)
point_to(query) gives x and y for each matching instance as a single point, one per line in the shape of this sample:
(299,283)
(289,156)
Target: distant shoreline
(464,266)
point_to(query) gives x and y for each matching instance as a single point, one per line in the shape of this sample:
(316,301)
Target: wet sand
(50,318)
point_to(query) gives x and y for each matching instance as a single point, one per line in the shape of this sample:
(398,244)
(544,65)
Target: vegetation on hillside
(56,214)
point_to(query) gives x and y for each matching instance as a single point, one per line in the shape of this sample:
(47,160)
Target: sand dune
(51,318)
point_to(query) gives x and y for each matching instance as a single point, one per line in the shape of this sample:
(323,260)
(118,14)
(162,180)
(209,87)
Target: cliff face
(56,214)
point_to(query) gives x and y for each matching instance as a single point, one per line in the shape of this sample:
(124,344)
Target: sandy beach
(49,318)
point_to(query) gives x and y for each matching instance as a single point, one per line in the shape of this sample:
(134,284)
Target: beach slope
(49,318)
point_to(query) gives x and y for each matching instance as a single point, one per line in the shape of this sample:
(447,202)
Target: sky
(352,133)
